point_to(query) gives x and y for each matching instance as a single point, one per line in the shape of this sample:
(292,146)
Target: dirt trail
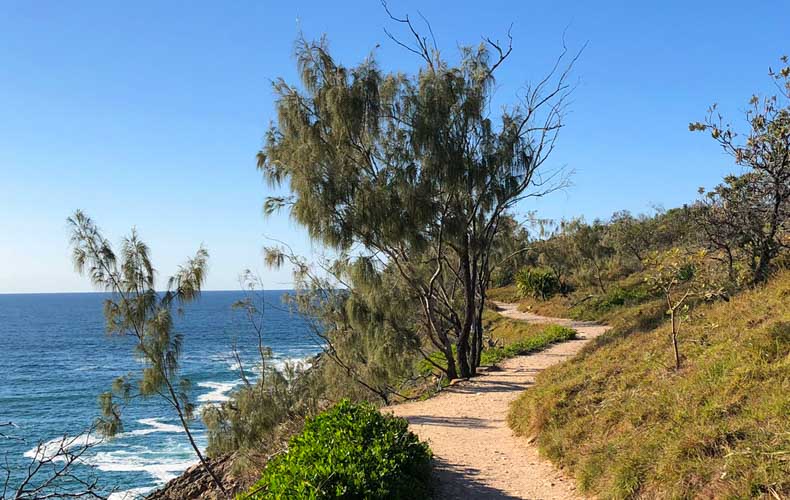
(476,453)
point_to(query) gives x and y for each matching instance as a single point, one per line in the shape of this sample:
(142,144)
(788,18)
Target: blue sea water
(55,358)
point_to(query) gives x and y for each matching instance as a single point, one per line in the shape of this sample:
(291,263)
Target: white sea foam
(154,425)
(253,364)
(54,447)
(229,358)
(219,391)
(279,363)
(163,469)
(233,365)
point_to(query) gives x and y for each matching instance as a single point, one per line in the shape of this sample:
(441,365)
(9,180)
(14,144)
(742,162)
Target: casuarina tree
(414,171)
(137,311)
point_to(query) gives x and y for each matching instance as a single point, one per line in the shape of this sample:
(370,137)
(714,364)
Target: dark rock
(195,482)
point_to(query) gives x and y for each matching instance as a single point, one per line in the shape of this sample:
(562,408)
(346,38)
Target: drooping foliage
(510,251)
(411,173)
(260,416)
(137,311)
(366,319)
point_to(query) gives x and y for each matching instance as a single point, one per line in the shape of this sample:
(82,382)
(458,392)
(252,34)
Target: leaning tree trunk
(192,442)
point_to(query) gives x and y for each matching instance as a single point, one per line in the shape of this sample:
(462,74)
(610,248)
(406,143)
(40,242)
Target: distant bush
(504,294)
(615,298)
(350,451)
(538,282)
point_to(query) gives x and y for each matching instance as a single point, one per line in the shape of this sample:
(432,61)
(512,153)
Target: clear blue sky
(150,113)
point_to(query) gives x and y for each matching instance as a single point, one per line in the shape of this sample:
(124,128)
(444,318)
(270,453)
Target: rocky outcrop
(195,482)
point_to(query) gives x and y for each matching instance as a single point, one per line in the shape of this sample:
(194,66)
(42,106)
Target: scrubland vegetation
(414,186)
(411,183)
(688,396)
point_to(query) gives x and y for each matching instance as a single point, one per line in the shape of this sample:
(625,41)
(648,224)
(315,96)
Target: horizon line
(87,292)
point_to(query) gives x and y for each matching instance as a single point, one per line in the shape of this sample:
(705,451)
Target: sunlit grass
(627,425)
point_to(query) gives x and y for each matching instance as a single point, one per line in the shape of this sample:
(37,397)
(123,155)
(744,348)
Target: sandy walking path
(476,453)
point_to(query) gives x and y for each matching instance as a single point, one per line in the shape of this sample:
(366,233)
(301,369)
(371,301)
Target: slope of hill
(627,425)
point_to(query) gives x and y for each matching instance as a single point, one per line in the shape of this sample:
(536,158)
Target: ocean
(55,359)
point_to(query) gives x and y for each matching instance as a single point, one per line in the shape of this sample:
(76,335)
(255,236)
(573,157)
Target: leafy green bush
(349,451)
(540,283)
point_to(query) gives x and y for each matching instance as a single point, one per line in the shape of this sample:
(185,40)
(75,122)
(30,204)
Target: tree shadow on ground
(471,422)
(484,386)
(456,483)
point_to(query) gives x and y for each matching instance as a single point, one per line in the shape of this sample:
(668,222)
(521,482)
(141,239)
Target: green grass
(504,294)
(549,335)
(621,420)
(509,338)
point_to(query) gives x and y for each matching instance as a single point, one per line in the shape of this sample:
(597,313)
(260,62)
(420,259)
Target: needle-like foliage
(412,172)
(136,310)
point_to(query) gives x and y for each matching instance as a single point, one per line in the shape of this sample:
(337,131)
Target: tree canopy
(411,172)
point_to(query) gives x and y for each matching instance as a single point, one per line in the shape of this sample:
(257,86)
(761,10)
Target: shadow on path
(477,423)
(489,386)
(456,483)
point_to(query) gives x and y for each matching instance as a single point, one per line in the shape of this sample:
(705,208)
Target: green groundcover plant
(349,451)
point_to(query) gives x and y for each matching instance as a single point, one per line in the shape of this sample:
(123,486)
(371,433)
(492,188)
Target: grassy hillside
(627,425)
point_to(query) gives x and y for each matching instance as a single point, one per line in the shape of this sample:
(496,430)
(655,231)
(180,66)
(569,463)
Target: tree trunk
(598,276)
(479,326)
(194,445)
(452,373)
(462,355)
(462,345)
(675,339)
(730,265)
(761,271)
(473,354)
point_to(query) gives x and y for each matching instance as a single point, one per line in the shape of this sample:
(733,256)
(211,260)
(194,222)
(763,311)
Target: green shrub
(349,451)
(540,283)
(615,298)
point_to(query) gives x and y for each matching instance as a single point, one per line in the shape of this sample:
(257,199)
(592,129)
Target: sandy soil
(476,453)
